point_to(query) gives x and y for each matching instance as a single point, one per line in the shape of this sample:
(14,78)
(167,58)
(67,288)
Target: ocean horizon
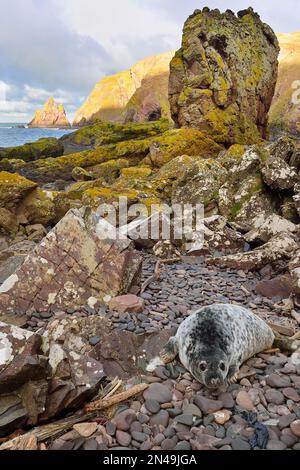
(12,135)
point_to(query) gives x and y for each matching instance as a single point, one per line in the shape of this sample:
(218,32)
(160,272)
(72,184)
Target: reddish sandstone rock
(75,265)
(127,304)
(280,286)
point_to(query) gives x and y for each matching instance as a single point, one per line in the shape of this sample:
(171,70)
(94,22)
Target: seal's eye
(222,366)
(203,366)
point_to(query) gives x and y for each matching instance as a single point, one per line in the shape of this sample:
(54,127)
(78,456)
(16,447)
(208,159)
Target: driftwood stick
(113,391)
(153,278)
(157,272)
(47,431)
(107,403)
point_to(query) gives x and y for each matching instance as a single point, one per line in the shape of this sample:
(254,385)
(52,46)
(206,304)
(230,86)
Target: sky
(61,48)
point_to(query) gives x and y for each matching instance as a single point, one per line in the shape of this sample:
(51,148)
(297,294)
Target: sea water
(12,136)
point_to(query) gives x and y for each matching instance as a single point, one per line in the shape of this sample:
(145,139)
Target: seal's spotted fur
(214,342)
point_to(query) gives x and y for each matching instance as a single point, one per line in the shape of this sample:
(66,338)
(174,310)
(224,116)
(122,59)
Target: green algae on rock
(105,133)
(138,94)
(13,189)
(223,78)
(43,148)
(171,144)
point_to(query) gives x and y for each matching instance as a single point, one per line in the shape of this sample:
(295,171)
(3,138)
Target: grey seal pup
(215,341)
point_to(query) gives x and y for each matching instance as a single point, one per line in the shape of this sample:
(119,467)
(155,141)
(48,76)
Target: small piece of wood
(157,272)
(153,278)
(243,288)
(107,403)
(42,433)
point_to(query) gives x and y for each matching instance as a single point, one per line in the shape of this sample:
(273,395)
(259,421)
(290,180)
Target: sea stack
(223,78)
(52,115)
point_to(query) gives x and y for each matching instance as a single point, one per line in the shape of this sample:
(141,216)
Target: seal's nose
(213,382)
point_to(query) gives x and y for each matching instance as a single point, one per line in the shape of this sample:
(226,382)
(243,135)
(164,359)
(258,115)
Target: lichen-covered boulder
(77,264)
(288,209)
(267,229)
(121,353)
(21,359)
(277,174)
(42,376)
(43,148)
(219,237)
(13,189)
(171,144)
(243,196)
(281,247)
(223,78)
(199,183)
(296,197)
(38,208)
(8,222)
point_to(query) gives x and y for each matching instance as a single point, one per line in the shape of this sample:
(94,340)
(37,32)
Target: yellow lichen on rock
(52,115)
(125,96)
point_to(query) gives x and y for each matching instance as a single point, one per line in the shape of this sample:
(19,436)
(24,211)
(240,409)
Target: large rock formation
(74,266)
(285,110)
(52,115)
(138,94)
(42,378)
(223,78)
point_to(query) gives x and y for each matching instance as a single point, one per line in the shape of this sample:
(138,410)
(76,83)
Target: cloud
(39,95)
(122,26)
(36,47)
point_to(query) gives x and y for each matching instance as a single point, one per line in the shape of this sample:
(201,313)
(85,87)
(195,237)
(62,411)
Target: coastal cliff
(138,94)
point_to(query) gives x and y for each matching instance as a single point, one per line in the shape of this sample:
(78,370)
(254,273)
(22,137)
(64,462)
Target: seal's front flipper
(232,376)
(170,351)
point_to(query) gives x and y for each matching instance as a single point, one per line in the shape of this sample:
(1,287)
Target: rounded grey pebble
(220,433)
(169,432)
(276,445)
(111,429)
(185,419)
(239,444)
(153,406)
(161,418)
(139,436)
(173,412)
(183,445)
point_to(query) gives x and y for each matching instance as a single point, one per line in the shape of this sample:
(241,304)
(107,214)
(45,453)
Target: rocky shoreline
(82,314)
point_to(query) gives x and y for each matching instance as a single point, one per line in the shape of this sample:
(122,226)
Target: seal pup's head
(211,371)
